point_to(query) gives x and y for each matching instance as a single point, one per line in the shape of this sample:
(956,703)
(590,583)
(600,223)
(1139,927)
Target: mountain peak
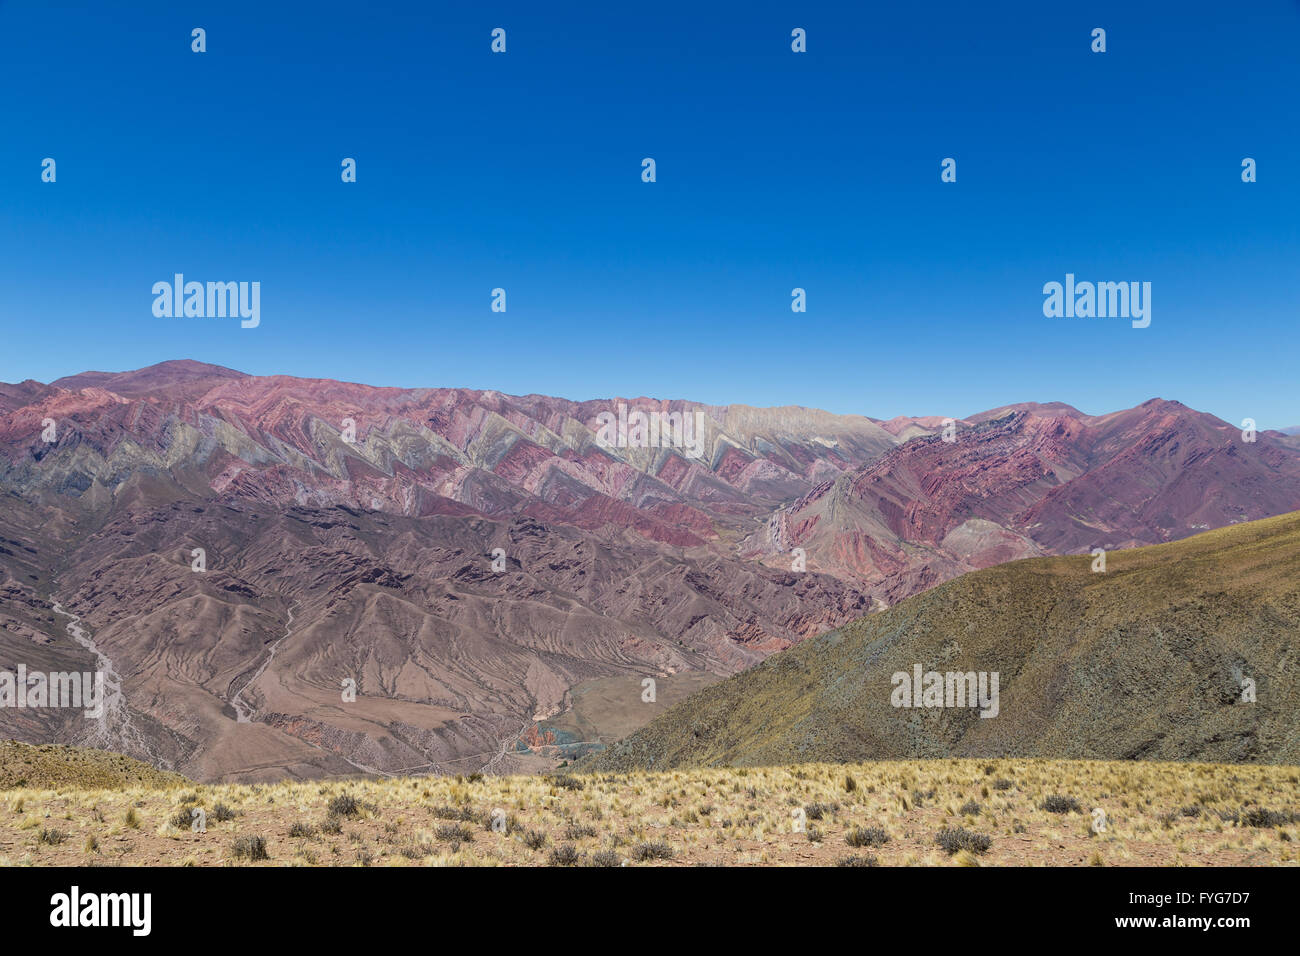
(171,375)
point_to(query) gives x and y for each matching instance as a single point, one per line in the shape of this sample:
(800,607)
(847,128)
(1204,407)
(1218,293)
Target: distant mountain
(1181,651)
(499,573)
(1028,480)
(374,559)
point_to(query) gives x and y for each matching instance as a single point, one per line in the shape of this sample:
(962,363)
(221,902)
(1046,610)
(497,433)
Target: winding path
(244,712)
(114,729)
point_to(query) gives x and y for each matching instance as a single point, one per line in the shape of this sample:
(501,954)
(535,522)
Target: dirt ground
(1001,812)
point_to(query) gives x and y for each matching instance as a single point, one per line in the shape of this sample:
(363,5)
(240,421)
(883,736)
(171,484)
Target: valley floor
(900,813)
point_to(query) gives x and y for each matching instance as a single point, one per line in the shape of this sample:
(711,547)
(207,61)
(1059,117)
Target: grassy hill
(1144,661)
(49,766)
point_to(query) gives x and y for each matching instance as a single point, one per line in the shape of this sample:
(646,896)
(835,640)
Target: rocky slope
(1180,651)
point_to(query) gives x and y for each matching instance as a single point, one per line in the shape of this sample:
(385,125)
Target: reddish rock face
(1037,479)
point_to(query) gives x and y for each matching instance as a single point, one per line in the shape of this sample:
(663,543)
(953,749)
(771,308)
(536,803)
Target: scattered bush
(454,833)
(344,805)
(955,839)
(970,808)
(1259,817)
(604,858)
(1056,803)
(51,837)
(463,814)
(534,839)
(563,855)
(815,811)
(657,850)
(182,818)
(852,860)
(1002,784)
(250,848)
(866,836)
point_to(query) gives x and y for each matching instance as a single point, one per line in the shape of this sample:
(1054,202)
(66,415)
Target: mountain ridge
(1178,651)
(484,567)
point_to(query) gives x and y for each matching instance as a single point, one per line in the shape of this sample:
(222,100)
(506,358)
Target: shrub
(652,851)
(534,839)
(604,858)
(815,811)
(563,855)
(51,837)
(302,830)
(332,825)
(853,860)
(344,805)
(464,814)
(955,839)
(1259,817)
(1059,804)
(866,836)
(566,781)
(1002,784)
(222,813)
(454,833)
(250,848)
(182,819)
(970,808)
(577,831)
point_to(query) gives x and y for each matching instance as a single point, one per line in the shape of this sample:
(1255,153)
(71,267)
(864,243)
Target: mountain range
(494,580)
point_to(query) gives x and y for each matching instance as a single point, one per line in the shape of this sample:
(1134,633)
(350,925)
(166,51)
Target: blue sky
(775,170)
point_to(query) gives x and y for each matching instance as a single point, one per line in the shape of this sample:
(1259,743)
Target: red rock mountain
(1028,480)
(488,573)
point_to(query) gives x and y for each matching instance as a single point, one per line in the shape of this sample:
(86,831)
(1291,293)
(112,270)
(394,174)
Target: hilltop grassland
(45,766)
(913,813)
(1180,651)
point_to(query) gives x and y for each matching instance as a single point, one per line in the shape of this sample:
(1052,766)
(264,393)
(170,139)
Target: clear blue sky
(775,170)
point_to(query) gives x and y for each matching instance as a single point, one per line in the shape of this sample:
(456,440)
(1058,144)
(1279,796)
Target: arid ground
(906,813)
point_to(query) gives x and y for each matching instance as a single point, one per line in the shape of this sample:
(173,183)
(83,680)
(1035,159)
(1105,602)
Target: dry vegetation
(912,813)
